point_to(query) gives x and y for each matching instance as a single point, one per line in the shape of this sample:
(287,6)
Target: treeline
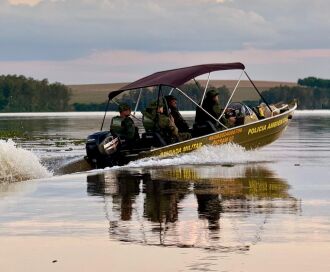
(315,82)
(311,93)
(307,98)
(151,94)
(21,94)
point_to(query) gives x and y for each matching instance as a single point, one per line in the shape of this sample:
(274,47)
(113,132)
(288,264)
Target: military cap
(170,98)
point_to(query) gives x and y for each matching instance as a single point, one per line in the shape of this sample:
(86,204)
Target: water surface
(217,209)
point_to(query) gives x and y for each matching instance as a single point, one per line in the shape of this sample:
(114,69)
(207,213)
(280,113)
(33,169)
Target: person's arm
(172,126)
(167,123)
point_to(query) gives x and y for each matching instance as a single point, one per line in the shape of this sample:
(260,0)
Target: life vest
(148,122)
(116,127)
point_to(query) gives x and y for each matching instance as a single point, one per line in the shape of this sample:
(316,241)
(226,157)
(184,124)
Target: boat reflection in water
(211,207)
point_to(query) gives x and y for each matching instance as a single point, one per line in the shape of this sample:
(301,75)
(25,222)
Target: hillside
(97,93)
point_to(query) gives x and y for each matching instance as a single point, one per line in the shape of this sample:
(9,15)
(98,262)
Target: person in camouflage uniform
(212,105)
(122,125)
(154,119)
(178,119)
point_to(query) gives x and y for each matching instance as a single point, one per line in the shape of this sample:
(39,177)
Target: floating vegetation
(9,134)
(5,134)
(16,134)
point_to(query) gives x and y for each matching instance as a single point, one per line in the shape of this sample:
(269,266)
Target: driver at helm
(122,125)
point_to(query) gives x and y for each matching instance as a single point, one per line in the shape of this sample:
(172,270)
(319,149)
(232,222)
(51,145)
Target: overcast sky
(85,41)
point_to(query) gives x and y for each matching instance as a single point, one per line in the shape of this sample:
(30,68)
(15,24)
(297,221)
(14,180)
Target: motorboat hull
(249,136)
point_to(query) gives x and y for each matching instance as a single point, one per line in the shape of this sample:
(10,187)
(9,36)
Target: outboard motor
(93,145)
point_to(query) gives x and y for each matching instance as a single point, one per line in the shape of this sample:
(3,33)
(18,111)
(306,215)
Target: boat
(106,150)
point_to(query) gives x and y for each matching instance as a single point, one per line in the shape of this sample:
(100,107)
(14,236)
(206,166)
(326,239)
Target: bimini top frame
(177,77)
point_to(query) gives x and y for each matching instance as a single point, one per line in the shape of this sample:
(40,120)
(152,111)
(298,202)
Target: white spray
(18,164)
(222,154)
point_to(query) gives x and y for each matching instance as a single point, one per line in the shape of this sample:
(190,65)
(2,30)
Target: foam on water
(18,164)
(221,155)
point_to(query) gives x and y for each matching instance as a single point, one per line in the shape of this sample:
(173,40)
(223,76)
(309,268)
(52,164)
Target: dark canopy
(176,77)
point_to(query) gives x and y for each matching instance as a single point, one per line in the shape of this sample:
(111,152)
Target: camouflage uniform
(212,107)
(159,122)
(179,121)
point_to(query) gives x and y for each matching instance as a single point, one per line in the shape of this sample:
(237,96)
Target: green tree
(314,82)
(21,94)
(308,98)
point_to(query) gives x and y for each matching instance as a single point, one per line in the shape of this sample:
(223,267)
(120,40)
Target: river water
(216,209)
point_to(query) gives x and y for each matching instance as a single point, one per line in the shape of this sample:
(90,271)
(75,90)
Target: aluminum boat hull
(250,136)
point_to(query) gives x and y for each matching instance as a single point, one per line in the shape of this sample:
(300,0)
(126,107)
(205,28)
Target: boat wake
(18,164)
(228,154)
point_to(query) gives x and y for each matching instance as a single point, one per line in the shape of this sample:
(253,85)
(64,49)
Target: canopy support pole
(255,87)
(105,113)
(137,102)
(159,92)
(231,96)
(207,84)
(218,121)
(197,85)
(157,114)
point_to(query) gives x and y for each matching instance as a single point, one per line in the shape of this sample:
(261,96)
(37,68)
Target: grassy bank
(97,93)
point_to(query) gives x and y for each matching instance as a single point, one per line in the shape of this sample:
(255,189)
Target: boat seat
(152,139)
(204,128)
